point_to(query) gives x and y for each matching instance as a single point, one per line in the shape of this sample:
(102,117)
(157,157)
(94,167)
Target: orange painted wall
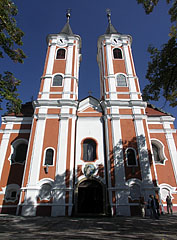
(50,140)
(129,140)
(165,173)
(12,173)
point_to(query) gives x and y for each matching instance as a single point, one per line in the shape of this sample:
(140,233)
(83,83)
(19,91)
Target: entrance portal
(90,197)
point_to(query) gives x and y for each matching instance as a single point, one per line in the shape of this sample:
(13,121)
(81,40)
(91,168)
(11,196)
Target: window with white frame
(158,151)
(49,155)
(121,80)
(155,150)
(19,151)
(57,80)
(131,157)
(117,53)
(89,150)
(45,192)
(60,53)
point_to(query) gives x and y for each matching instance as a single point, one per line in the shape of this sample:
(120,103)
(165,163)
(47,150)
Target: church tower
(128,150)
(50,158)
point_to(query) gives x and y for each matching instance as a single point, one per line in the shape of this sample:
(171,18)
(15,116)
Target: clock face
(116,41)
(61,41)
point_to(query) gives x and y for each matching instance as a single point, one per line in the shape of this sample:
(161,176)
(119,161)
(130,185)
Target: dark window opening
(20,153)
(13,194)
(155,153)
(49,156)
(89,150)
(117,53)
(57,80)
(131,158)
(60,54)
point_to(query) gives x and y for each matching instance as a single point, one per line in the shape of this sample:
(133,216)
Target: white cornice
(56,103)
(130,103)
(14,119)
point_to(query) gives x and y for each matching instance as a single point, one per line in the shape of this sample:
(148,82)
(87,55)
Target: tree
(10,37)
(162,70)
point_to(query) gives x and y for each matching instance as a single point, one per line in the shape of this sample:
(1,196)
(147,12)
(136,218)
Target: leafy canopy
(162,70)
(10,39)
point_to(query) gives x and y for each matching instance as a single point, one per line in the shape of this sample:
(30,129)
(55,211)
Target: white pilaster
(37,149)
(111,77)
(58,209)
(68,71)
(171,147)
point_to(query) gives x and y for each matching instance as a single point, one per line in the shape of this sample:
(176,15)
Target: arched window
(49,154)
(60,54)
(131,157)
(57,80)
(45,192)
(117,53)
(121,80)
(19,154)
(89,150)
(155,150)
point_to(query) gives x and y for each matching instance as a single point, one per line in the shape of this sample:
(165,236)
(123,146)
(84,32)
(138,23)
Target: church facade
(62,156)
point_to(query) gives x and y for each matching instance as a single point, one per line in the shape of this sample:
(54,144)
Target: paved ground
(17,227)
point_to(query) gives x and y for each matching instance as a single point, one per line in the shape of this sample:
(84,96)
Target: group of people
(153,206)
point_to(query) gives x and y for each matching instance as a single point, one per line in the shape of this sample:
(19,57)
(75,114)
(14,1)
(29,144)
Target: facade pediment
(89,107)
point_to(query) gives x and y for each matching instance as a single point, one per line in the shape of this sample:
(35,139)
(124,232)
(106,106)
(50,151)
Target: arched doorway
(90,198)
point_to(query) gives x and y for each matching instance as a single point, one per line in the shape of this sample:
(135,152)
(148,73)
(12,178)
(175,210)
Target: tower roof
(110,29)
(67,28)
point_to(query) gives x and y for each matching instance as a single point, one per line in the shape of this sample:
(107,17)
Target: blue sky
(37,18)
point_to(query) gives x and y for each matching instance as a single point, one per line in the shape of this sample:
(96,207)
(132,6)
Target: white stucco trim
(161,147)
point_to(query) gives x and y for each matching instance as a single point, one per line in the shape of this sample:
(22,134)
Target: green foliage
(162,70)
(10,38)
(8,92)
(162,73)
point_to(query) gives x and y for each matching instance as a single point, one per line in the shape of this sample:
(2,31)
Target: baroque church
(61,156)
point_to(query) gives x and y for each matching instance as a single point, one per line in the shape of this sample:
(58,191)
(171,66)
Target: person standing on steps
(169,204)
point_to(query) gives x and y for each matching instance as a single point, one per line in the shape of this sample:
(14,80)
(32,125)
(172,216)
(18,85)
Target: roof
(67,29)
(153,111)
(111,29)
(25,111)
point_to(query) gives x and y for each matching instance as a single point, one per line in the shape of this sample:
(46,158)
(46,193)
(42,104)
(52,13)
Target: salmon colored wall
(9,171)
(125,111)
(123,96)
(155,126)
(165,173)
(21,126)
(122,89)
(59,64)
(129,140)
(50,140)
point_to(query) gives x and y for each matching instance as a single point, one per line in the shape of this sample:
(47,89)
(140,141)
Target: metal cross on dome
(108,11)
(68,13)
